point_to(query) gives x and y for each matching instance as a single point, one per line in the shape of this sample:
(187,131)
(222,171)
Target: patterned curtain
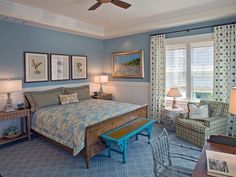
(225,65)
(158,65)
(224,61)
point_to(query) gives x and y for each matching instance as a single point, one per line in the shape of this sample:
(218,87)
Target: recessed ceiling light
(112,18)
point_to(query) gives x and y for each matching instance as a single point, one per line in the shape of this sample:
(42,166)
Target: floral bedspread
(66,124)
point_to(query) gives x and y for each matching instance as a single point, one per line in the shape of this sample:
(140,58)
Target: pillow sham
(42,99)
(198,112)
(69,98)
(82,92)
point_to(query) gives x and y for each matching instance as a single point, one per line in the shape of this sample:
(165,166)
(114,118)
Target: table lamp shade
(174,92)
(232,107)
(101,79)
(9,86)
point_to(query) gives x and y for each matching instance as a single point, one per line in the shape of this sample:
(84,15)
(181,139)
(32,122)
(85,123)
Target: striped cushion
(69,98)
(42,99)
(82,92)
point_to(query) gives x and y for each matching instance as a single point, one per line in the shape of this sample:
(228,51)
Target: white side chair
(162,157)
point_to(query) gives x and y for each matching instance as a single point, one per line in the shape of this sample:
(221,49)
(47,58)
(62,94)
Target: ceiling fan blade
(95,6)
(121,4)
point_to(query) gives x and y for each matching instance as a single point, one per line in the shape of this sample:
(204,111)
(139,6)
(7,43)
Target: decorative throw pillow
(42,99)
(198,112)
(69,98)
(82,91)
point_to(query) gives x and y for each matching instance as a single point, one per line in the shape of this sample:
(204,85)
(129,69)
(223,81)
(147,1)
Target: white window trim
(187,40)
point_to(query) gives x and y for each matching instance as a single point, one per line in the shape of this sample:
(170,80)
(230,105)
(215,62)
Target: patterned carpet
(39,158)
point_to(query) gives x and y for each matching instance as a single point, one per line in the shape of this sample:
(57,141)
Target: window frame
(187,41)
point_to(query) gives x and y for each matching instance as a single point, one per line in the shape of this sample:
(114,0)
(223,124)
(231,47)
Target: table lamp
(232,106)
(101,79)
(174,92)
(8,87)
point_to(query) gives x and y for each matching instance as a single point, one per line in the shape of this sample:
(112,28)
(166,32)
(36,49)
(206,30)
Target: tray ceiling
(110,21)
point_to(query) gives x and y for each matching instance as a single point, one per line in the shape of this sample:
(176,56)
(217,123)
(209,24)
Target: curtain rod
(187,30)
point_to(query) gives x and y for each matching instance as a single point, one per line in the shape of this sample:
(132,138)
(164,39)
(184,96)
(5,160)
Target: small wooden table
(24,113)
(120,135)
(103,96)
(200,169)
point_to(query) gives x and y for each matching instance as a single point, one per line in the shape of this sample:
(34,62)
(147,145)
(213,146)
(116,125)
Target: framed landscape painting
(78,67)
(36,67)
(128,64)
(60,67)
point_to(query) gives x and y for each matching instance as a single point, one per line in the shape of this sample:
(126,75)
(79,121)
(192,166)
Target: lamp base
(174,104)
(8,109)
(9,106)
(101,90)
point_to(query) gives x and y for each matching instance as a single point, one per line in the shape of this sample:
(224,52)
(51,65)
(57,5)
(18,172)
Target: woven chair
(162,157)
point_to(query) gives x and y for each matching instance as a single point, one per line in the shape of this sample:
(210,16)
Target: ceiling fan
(119,3)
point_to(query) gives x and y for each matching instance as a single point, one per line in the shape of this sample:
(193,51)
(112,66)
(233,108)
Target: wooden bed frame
(93,142)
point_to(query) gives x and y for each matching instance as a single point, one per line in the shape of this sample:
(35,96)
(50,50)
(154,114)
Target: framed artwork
(60,67)
(129,64)
(78,67)
(36,67)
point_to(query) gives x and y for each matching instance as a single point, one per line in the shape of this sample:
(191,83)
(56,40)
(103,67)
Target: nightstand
(103,96)
(169,117)
(22,114)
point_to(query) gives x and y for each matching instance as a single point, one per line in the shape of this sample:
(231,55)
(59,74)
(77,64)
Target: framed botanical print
(60,67)
(78,67)
(129,64)
(36,67)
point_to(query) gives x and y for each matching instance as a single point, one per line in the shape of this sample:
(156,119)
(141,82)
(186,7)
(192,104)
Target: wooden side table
(22,114)
(169,117)
(103,96)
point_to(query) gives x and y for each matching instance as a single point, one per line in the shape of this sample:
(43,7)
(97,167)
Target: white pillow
(198,112)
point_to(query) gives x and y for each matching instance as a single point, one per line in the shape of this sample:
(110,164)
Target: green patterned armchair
(197,131)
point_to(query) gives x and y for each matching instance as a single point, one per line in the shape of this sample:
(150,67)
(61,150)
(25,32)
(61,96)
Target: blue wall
(142,42)
(17,38)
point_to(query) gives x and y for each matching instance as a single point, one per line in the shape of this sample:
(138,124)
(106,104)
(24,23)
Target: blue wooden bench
(119,136)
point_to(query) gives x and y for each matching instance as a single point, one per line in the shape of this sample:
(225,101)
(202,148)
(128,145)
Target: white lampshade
(9,86)
(101,79)
(174,92)
(232,107)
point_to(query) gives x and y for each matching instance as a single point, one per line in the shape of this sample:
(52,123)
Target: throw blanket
(66,124)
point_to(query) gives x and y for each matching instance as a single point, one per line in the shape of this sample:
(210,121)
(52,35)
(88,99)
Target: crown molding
(161,21)
(38,17)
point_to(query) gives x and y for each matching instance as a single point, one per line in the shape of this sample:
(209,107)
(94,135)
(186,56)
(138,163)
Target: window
(189,66)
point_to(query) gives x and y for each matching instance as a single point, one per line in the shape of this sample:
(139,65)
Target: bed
(77,127)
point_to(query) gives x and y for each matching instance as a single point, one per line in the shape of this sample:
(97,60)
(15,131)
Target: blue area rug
(39,158)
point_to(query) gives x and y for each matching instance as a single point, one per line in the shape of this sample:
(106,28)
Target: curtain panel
(224,61)
(225,67)
(158,72)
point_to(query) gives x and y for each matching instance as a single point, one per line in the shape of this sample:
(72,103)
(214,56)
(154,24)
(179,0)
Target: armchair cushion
(216,108)
(198,112)
(196,125)
(215,121)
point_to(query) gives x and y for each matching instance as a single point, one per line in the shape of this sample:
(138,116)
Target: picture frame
(36,67)
(60,67)
(128,64)
(79,68)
